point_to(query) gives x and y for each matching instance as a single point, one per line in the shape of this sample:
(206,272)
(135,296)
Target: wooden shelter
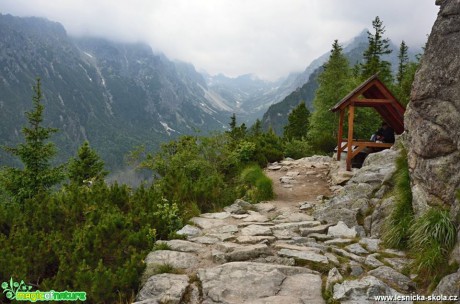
(371,93)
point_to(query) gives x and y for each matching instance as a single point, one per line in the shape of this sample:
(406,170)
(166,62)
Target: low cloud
(269,38)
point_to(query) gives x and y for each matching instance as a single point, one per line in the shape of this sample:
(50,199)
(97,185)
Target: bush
(297,149)
(255,185)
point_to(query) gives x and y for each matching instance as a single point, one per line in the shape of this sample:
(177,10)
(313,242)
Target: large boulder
(432,119)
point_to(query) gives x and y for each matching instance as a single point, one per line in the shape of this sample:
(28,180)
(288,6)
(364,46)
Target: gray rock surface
(164,288)
(183,246)
(449,285)
(176,259)
(362,291)
(333,277)
(246,282)
(341,230)
(393,278)
(255,230)
(306,256)
(432,118)
(189,231)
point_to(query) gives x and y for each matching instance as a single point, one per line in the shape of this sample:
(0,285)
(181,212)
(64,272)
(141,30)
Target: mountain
(115,95)
(277,114)
(248,96)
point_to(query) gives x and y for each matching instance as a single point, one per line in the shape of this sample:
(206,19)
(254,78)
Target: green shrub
(396,230)
(255,185)
(297,149)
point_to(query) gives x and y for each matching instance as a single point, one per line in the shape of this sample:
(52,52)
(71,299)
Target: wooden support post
(340,135)
(351,116)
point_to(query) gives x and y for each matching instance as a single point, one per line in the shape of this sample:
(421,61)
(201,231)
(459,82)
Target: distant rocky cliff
(433,116)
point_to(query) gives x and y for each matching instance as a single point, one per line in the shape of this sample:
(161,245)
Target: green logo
(20,291)
(12,288)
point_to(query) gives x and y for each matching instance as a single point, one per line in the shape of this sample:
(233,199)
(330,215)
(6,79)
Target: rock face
(432,119)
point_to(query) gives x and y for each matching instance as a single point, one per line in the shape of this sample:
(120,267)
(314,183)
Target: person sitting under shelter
(385,134)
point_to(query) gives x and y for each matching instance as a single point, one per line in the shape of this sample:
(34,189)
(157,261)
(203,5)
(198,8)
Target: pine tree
(87,166)
(297,126)
(378,46)
(334,83)
(403,60)
(37,174)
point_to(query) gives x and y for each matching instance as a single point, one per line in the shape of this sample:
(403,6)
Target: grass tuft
(396,229)
(433,235)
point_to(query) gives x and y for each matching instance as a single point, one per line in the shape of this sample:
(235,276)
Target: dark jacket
(388,134)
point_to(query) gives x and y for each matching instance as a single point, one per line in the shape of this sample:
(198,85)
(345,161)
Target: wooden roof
(373,93)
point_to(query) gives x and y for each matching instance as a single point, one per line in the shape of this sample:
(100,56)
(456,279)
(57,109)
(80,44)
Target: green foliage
(35,154)
(297,149)
(334,83)
(378,46)
(255,185)
(403,60)
(397,226)
(297,126)
(85,238)
(87,166)
(433,235)
(161,246)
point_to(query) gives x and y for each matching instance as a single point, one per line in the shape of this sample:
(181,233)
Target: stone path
(283,251)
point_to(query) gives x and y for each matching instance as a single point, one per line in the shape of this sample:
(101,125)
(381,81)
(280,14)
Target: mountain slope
(115,95)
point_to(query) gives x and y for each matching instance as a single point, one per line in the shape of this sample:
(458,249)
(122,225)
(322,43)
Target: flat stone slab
(216,215)
(304,256)
(223,229)
(320,229)
(398,263)
(189,231)
(249,239)
(370,244)
(363,291)
(339,242)
(245,253)
(248,282)
(280,245)
(183,246)
(296,226)
(298,217)
(349,255)
(265,207)
(176,259)
(206,223)
(393,278)
(208,240)
(372,261)
(164,288)
(255,217)
(254,230)
(341,230)
(285,234)
(356,249)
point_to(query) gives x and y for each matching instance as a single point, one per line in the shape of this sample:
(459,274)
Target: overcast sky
(269,38)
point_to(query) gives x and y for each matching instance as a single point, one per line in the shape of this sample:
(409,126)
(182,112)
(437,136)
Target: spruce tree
(334,83)
(378,46)
(403,60)
(36,153)
(86,167)
(297,126)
